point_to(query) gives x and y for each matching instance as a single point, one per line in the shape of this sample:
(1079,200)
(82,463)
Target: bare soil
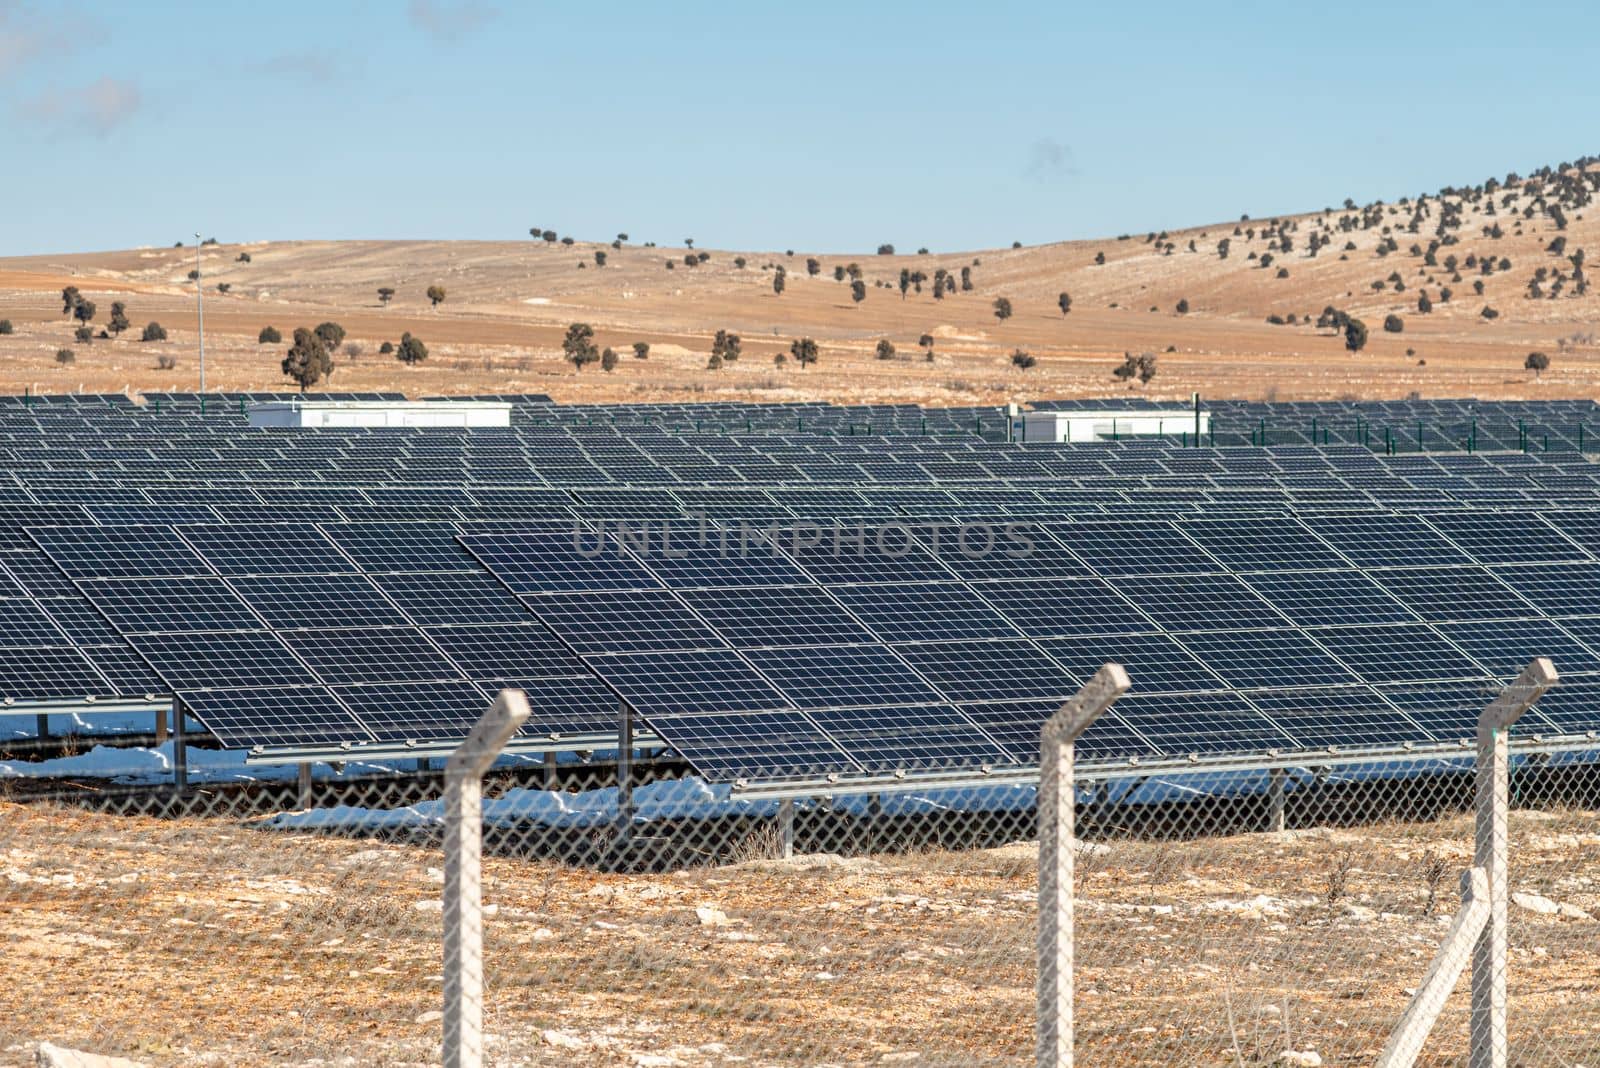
(206,941)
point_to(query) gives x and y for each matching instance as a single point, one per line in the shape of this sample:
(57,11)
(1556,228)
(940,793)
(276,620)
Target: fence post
(1493,803)
(1406,1042)
(463,887)
(1057,821)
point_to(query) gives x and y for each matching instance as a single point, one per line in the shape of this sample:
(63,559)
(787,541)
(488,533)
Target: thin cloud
(1051,161)
(97,108)
(449,21)
(27,37)
(306,66)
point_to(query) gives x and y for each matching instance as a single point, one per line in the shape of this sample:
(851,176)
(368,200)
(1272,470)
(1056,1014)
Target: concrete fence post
(1493,804)
(1057,823)
(463,885)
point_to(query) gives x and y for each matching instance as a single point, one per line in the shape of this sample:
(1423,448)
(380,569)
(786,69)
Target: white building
(326,413)
(1112,424)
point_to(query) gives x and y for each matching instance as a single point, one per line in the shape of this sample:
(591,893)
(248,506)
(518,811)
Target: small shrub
(641,350)
(65,356)
(1022,359)
(153,332)
(84,334)
(166,362)
(6,327)
(386,348)
(269,336)
(1393,324)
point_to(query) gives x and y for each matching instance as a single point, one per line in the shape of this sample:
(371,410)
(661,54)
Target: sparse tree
(858,291)
(84,311)
(885,349)
(726,345)
(65,356)
(83,335)
(739,262)
(778,284)
(641,350)
(804,352)
(436,295)
(386,348)
(1489,313)
(549,237)
(411,351)
(1002,308)
(1099,258)
(224,287)
(579,345)
(243,257)
(269,336)
(332,335)
(1355,335)
(599,258)
(714,363)
(1183,306)
(1424,305)
(69,299)
(1021,359)
(1147,367)
(886,250)
(1064,302)
(307,361)
(385,295)
(1393,324)
(1537,362)
(6,327)
(119,318)
(966,279)
(153,332)
(813,266)
(608,360)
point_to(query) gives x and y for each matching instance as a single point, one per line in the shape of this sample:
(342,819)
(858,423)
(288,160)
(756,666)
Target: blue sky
(817,126)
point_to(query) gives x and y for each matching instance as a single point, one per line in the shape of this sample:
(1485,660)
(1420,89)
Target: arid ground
(209,941)
(507,306)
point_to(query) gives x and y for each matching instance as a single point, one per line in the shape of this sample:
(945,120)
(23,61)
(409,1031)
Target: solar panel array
(786,600)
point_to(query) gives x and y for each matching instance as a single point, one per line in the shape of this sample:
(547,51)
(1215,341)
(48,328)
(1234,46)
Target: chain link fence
(1222,917)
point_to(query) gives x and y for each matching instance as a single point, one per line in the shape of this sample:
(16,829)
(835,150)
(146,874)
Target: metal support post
(41,724)
(786,828)
(161,728)
(303,783)
(625,808)
(1057,823)
(550,770)
(463,877)
(180,749)
(1275,799)
(1493,803)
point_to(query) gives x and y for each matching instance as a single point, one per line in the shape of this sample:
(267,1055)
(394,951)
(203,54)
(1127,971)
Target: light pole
(200,310)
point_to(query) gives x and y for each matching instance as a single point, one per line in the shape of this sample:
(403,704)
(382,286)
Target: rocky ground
(211,941)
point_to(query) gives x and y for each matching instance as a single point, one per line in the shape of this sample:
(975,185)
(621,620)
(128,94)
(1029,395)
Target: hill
(508,304)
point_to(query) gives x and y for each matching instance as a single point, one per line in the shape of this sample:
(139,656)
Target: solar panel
(822,676)
(1062,607)
(776,616)
(913,612)
(506,651)
(910,739)
(400,547)
(40,674)
(275,715)
(1155,662)
(714,680)
(990,671)
(197,661)
(1198,602)
(1396,653)
(1505,537)
(173,603)
(415,710)
(296,602)
(433,598)
(1179,726)
(1377,539)
(23,623)
(773,745)
(1016,725)
(622,621)
(1263,544)
(1453,593)
(361,656)
(118,552)
(550,559)
(1285,657)
(1134,548)
(280,549)
(1313,598)
(1505,647)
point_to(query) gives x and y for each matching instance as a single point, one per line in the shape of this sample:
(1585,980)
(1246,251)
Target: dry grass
(202,941)
(510,302)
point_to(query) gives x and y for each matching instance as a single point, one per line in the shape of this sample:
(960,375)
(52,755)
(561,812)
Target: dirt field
(508,305)
(205,941)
